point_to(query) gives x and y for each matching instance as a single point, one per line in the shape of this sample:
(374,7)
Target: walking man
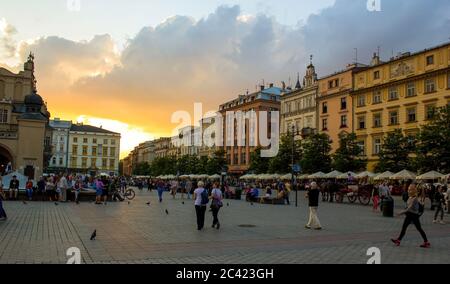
(3,216)
(62,186)
(439,203)
(201,198)
(313,198)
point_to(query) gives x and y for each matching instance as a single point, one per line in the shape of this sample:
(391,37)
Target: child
(376,200)
(29,189)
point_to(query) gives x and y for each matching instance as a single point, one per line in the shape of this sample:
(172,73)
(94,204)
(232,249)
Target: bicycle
(128,194)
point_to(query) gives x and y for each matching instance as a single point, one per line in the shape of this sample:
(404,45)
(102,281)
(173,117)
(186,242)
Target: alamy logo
(74,255)
(375,254)
(74,5)
(374,5)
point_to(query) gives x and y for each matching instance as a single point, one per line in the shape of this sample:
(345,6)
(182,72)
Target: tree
(142,169)
(216,164)
(258,164)
(347,156)
(316,154)
(282,163)
(164,166)
(395,152)
(433,145)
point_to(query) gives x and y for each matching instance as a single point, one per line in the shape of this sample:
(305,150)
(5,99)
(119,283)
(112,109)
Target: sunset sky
(128,65)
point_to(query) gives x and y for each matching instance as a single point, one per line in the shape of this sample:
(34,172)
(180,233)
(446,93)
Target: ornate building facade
(298,108)
(25,137)
(402,93)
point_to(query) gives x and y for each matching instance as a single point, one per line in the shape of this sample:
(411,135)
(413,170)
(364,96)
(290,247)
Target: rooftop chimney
(271,85)
(375,60)
(263,87)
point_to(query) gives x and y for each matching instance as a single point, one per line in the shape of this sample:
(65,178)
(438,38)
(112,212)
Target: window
(343,103)
(73,162)
(54,161)
(85,150)
(324,124)
(430,60)
(343,121)
(377,120)
(393,117)
(60,161)
(393,93)
(243,158)
(430,85)
(411,89)
(112,151)
(75,149)
(362,122)
(430,111)
(236,159)
(448,80)
(85,140)
(94,140)
(376,146)
(376,75)
(362,147)
(333,83)
(94,151)
(3,116)
(113,142)
(105,151)
(105,141)
(112,164)
(336,83)
(104,163)
(325,107)
(376,97)
(94,163)
(361,100)
(61,148)
(75,139)
(84,162)
(411,114)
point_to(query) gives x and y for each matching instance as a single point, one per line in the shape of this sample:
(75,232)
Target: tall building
(208,130)
(93,150)
(24,135)
(60,145)
(335,105)
(238,157)
(402,93)
(298,107)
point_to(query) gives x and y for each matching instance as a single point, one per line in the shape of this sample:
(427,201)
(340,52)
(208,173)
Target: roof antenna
(378,50)
(356,55)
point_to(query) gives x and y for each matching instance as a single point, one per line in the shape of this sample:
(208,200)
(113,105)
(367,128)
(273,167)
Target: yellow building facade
(399,94)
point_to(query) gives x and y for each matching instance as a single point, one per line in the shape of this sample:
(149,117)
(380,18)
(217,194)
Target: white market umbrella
(345,175)
(430,176)
(317,175)
(403,175)
(214,177)
(302,177)
(383,176)
(365,174)
(286,177)
(333,174)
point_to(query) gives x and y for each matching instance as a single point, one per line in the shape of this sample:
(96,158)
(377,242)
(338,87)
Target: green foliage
(141,169)
(282,163)
(347,156)
(433,146)
(258,164)
(395,153)
(316,154)
(216,163)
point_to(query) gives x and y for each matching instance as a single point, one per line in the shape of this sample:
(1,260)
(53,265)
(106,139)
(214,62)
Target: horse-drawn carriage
(353,192)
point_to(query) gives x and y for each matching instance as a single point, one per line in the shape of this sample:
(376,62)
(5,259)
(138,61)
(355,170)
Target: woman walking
(99,186)
(412,213)
(161,187)
(216,204)
(201,198)
(313,198)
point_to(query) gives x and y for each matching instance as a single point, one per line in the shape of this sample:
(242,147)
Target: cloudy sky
(128,65)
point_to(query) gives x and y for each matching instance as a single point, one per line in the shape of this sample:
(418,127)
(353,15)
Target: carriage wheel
(339,197)
(364,198)
(351,198)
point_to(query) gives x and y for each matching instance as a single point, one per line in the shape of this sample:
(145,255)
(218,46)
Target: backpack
(205,197)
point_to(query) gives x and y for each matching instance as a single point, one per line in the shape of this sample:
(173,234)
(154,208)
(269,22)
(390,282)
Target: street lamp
(293,167)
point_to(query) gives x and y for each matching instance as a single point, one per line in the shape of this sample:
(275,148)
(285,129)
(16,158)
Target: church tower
(310,79)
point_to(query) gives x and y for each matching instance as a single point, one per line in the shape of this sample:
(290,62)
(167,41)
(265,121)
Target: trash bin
(388,207)
(238,194)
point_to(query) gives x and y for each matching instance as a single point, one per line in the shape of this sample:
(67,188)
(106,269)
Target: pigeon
(56,204)
(228,204)
(24,202)
(129,202)
(94,235)
(167,212)
(148,203)
(252,203)
(182,202)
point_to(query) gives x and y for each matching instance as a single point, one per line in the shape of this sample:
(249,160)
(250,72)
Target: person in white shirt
(200,205)
(216,204)
(62,186)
